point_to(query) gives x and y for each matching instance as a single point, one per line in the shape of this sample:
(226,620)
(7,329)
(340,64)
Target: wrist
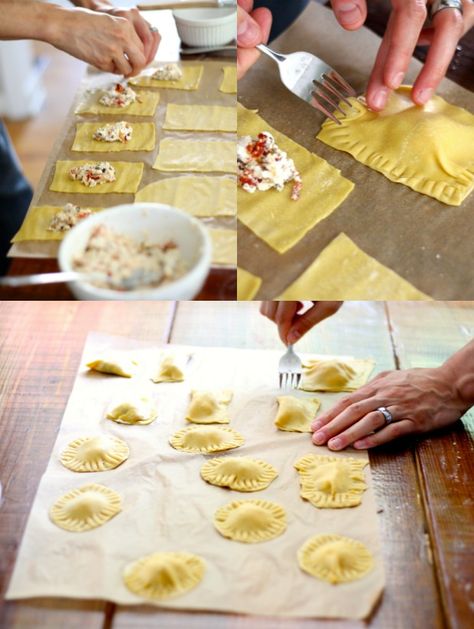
(461,381)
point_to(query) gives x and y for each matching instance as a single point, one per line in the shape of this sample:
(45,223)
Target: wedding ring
(386,414)
(153,29)
(438,5)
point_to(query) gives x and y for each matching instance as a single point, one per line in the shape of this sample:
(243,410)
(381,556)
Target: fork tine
(317,105)
(293,381)
(332,86)
(298,380)
(342,82)
(333,103)
(280,380)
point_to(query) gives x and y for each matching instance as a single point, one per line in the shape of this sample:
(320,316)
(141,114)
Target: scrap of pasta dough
(343,271)
(248,285)
(271,215)
(135,409)
(94,454)
(229,80)
(200,118)
(429,148)
(329,482)
(296,414)
(209,407)
(239,473)
(335,558)
(196,156)
(206,439)
(169,371)
(189,81)
(143,138)
(127,178)
(250,521)
(335,374)
(224,246)
(146,107)
(164,575)
(199,195)
(85,508)
(113,363)
(37,221)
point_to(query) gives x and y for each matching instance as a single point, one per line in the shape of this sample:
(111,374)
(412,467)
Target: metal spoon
(136,279)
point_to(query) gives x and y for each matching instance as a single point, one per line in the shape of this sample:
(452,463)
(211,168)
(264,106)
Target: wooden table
(423,490)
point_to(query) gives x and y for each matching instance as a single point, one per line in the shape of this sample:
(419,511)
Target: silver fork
(312,80)
(290,369)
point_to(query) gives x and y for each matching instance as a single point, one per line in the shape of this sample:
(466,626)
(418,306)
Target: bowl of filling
(141,251)
(206,27)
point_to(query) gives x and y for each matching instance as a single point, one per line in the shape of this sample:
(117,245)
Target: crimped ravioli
(296,414)
(330,482)
(113,363)
(209,407)
(335,558)
(134,409)
(85,508)
(335,374)
(164,575)
(239,473)
(95,453)
(206,439)
(250,521)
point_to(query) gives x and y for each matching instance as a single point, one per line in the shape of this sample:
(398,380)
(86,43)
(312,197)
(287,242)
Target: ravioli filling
(119,96)
(168,72)
(114,132)
(93,174)
(69,216)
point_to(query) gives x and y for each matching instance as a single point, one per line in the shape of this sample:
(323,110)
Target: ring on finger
(439,5)
(386,414)
(153,29)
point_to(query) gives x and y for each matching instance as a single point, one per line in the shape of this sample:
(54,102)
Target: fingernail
(319,437)
(424,95)
(315,425)
(247,32)
(397,80)
(379,100)
(293,337)
(335,443)
(348,13)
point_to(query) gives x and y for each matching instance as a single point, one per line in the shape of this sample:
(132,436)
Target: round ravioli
(239,473)
(331,482)
(94,454)
(250,521)
(163,575)
(139,410)
(85,508)
(206,439)
(335,558)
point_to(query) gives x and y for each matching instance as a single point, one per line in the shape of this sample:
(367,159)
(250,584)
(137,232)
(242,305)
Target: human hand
(253,27)
(404,32)
(420,400)
(291,325)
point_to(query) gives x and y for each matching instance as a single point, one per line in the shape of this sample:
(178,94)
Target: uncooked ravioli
(250,521)
(329,482)
(114,364)
(133,409)
(209,407)
(169,371)
(206,439)
(336,374)
(239,473)
(164,575)
(94,453)
(296,414)
(85,508)
(335,558)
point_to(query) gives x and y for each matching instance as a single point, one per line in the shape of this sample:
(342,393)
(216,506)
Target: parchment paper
(423,240)
(167,506)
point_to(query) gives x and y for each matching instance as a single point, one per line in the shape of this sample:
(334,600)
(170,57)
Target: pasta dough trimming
(335,374)
(250,521)
(113,363)
(204,439)
(196,156)
(296,414)
(239,473)
(143,138)
(248,285)
(200,118)
(209,407)
(134,409)
(94,453)
(127,178)
(85,508)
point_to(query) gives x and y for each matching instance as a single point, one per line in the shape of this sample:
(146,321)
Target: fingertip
(421,96)
(349,15)
(248,32)
(377,99)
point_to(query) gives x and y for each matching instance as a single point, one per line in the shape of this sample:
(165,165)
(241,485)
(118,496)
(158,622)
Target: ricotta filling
(93,174)
(168,72)
(114,132)
(68,217)
(119,96)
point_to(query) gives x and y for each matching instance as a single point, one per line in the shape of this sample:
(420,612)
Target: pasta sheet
(190,80)
(229,81)
(248,285)
(200,118)
(146,107)
(143,138)
(36,223)
(196,156)
(224,246)
(128,176)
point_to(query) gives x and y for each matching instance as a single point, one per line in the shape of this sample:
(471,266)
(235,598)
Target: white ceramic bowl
(206,27)
(152,222)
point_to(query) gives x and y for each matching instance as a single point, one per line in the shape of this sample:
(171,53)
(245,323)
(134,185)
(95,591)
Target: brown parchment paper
(167,506)
(421,239)
(207,94)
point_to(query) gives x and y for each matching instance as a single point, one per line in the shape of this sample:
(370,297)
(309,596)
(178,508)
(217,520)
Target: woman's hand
(291,325)
(419,400)
(404,32)
(253,27)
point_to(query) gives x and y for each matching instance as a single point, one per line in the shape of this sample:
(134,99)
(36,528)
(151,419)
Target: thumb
(320,311)
(248,31)
(350,14)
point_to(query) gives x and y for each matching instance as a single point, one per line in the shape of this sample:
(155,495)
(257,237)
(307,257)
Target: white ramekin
(206,27)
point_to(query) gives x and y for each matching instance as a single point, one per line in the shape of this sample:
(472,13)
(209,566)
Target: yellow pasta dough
(250,521)
(229,80)
(239,473)
(200,118)
(329,482)
(296,414)
(335,558)
(343,271)
(272,215)
(189,81)
(94,454)
(164,575)
(428,148)
(209,407)
(169,371)
(85,508)
(127,178)
(206,439)
(200,195)
(224,246)
(335,374)
(146,107)
(36,223)
(135,409)
(196,156)
(113,363)
(248,285)
(143,138)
